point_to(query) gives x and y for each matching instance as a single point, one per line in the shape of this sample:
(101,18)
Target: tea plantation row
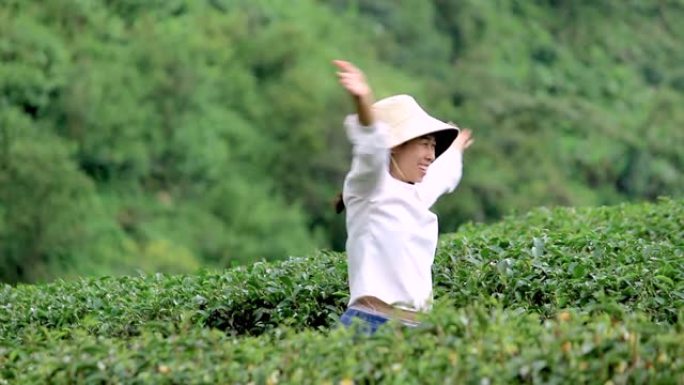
(471,345)
(614,259)
(552,296)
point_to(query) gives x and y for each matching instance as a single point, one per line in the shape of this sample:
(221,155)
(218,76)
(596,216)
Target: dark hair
(338,203)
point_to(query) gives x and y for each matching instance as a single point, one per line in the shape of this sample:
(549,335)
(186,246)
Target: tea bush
(552,296)
(610,259)
(471,345)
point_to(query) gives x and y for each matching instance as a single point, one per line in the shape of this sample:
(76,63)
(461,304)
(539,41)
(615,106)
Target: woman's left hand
(464,139)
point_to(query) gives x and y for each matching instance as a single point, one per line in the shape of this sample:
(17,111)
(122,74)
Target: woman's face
(413,159)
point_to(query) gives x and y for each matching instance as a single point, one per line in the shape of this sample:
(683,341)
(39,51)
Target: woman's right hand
(352,79)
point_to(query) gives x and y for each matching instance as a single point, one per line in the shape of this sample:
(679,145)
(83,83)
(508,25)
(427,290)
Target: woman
(403,160)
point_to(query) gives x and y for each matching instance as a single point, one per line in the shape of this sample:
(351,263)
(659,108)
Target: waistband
(375,306)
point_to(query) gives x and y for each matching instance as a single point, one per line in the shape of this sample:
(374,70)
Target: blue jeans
(370,322)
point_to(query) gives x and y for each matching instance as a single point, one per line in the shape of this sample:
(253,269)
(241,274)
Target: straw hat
(407,120)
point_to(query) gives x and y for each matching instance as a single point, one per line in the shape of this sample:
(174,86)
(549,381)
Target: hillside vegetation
(167,136)
(552,296)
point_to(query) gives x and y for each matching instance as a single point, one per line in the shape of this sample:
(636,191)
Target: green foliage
(212,129)
(607,260)
(157,115)
(50,217)
(566,103)
(627,257)
(552,296)
(471,345)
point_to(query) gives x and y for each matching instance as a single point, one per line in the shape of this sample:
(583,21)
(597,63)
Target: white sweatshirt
(391,232)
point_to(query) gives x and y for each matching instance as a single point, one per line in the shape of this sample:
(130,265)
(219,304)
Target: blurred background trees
(179,134)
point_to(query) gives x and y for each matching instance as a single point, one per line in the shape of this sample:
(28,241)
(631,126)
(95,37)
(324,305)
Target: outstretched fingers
(352,78)
(464,139)
(346,66)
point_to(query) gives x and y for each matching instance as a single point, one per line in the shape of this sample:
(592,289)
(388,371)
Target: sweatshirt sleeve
(370,157)
(442,176)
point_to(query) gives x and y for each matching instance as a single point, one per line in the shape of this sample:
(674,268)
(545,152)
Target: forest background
(175,135)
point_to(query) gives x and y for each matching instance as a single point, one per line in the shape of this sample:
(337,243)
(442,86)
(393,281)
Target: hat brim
(444,134)
(444,139)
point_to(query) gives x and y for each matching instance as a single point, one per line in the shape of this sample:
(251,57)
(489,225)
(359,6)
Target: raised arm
(354,81)
(370,152)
